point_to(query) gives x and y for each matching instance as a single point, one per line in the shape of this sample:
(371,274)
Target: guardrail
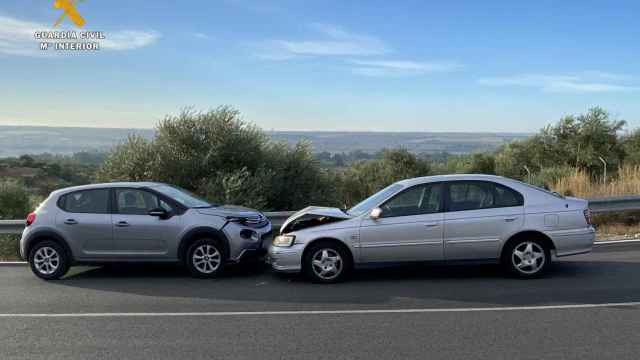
(614,204)
(597,205)
(277,218)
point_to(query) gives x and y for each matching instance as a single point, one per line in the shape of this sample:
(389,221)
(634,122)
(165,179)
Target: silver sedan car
(437,218)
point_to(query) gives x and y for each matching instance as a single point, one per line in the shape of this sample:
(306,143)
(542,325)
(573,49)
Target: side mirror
(161,213)
(375,213)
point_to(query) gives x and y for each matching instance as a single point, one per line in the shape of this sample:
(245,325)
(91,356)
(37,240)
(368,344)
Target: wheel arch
(529,234)
(331,240)
(47,235)
(200,233)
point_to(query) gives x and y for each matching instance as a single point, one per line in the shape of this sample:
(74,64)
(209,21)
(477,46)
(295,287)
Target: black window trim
(442,197)
(447,195)
(109,201)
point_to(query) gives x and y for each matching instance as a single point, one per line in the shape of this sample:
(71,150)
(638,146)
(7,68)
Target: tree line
(228,160)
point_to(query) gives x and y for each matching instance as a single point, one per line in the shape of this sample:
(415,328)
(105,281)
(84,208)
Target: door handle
(70,222)
(431,224)
(122,224)
(510,219)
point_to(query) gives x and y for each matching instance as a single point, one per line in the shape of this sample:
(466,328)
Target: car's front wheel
(205,258)
(527,258)
(49,260)
(326,262)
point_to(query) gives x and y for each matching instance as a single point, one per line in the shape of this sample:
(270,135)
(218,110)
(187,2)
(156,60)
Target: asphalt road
(454,322)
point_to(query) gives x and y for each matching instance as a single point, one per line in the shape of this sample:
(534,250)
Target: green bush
(9,247)
(15,202)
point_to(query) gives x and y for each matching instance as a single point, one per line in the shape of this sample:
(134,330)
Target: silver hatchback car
(437,218)
(138,222)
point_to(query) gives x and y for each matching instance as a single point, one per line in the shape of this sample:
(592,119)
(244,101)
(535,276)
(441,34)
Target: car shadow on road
(414,285)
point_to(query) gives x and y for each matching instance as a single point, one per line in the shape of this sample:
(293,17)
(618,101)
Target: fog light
(249,234)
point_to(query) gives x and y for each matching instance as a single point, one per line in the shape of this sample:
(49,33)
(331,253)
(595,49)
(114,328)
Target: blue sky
(327,65)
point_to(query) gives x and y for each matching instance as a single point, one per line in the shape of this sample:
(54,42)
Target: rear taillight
(31,218)
(587,216)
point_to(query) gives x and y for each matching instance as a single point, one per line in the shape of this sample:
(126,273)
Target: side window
(506,197)
(474,195)
(470,195)
(417,200)
(138,202)
(86,201)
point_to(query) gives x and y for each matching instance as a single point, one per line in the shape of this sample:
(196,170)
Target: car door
(85,221)
(409,228)
(135,232)
(479,214)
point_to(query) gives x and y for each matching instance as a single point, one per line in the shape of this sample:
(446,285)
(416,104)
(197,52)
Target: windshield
(183,196)
(374,200)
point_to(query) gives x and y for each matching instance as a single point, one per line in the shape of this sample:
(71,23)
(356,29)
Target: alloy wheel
(206,259)
(327,264)
(528,257)
(46,260)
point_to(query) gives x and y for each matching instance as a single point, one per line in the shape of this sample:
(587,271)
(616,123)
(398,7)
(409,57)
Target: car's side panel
(567,229)
(90,234)
(145,235)
(401,238)
(479,234)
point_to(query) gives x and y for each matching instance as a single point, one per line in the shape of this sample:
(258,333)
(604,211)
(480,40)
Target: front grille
(258,220)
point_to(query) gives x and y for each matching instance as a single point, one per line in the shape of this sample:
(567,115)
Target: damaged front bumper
(286,259)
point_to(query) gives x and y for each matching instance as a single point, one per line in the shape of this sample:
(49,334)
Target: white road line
(322,312)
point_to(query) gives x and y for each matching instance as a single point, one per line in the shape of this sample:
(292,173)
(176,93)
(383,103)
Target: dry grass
(581,184)
(606,231)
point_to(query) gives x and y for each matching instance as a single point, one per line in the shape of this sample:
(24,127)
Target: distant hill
(18,140)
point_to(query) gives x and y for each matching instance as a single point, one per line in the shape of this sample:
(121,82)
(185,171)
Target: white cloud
(17,38)
(402,67)
(200,35)
(587,82)
(335,41)
(128,39)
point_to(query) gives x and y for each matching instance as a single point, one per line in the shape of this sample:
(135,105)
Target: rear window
(95,201)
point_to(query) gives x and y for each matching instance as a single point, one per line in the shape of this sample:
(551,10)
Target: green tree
(225,159)
(363,178)
(133,160)
(575,141)
(631,146)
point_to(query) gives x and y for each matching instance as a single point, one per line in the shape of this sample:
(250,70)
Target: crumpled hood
(230,210)
(316,211)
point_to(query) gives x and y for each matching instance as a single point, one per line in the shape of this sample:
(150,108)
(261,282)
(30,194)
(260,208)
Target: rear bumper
(573,242)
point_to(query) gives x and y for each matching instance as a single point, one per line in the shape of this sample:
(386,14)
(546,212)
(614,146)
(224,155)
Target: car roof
(455,177)
(121,184)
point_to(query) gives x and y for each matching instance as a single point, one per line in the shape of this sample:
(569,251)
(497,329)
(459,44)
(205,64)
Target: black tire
(333,250)
(213,262)
(530,264)
(49,260)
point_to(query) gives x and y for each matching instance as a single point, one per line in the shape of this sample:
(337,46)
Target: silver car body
(446,235)
(114,237)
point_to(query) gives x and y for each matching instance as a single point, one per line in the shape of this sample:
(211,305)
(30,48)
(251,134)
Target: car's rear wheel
(205,258)
(49,260)
(327,263)
(527,258)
